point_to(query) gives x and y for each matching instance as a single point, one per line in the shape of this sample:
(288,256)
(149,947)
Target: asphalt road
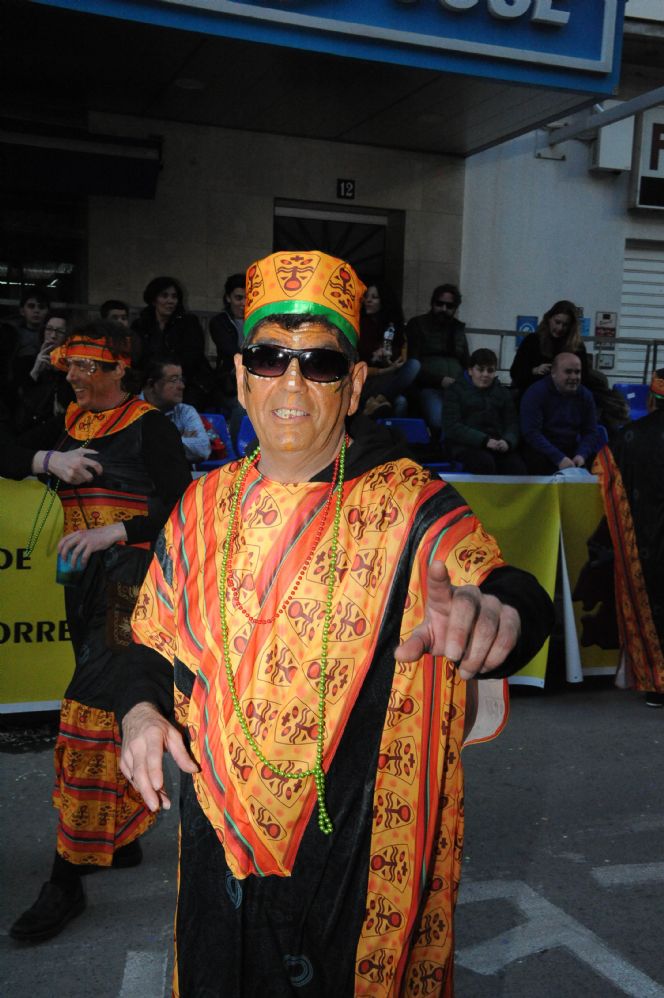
(563,890)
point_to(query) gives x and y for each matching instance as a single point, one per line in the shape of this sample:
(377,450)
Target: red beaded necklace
(237,499)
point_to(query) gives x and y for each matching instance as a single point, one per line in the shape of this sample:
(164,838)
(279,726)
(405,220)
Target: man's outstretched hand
(146,735)
(474,630)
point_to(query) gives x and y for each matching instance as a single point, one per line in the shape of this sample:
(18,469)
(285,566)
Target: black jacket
(472,416)
(183,339)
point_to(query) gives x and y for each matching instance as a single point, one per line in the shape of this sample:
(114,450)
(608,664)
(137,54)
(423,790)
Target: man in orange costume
(323,610)
(631,475)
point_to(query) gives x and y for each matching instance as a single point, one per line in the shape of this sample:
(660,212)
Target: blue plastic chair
(636,396)
(220,425)
(441,467)
(415,431)
(245,435)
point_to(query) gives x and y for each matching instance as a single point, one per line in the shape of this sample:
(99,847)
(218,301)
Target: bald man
(558,420)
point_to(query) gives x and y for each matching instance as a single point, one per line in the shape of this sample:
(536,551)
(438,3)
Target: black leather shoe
(126,856)
(49,914)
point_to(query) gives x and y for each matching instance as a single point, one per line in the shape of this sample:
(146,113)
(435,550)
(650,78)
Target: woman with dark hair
(383,347)
(119,467)
(558,332)
(166,329)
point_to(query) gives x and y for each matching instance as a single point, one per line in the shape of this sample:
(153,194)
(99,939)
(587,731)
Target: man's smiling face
(294,417)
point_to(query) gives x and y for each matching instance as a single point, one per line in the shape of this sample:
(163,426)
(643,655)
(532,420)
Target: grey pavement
(563,881)
(563,889)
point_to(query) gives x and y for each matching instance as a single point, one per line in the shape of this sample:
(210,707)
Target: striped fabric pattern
(636,626)
(259,817)
(99,811)
(85,425)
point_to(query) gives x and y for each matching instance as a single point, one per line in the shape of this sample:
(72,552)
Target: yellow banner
(581,510)
(36,658)
(525,520)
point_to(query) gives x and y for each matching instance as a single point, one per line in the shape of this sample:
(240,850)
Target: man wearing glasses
(164,389)
(438,341)
(316,617)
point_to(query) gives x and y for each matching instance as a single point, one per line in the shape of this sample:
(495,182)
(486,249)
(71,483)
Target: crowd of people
(312,632)
(546,420)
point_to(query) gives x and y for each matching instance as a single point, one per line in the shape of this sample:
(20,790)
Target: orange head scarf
(84,347)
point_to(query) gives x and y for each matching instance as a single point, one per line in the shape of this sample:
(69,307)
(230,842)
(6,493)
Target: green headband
(299,307)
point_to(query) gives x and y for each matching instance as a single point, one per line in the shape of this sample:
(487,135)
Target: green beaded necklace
(324,822)
(39,524)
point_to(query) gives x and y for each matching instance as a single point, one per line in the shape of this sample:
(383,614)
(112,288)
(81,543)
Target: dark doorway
(370,239)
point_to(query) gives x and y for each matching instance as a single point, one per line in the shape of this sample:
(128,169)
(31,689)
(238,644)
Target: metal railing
(621,359)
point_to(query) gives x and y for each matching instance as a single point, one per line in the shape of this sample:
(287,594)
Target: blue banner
(562,43)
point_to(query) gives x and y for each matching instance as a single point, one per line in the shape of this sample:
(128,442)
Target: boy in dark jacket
(480,423)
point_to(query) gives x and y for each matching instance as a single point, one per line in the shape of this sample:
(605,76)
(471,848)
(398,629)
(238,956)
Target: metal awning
(62,64)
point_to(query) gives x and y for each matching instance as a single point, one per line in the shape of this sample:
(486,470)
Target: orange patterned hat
(303,281)
(657,384)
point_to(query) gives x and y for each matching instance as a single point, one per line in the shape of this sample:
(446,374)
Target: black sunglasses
(320,364)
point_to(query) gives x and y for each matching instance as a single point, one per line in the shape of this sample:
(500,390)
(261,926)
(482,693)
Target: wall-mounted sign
(346,189)
(525,324)
(648,163)
(605,326)
(572,44)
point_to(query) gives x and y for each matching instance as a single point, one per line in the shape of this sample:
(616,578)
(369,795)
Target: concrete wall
(214,208)
(537,230)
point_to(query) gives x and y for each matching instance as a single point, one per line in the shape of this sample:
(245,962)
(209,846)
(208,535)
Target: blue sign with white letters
(572,44)
(526,324)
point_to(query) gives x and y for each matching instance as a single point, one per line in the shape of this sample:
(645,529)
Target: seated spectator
(164,389)
(45,392)
(383,346)
(33,309)
(558,420)
(226,334)
(115,310)
(438,341)
(558,332)
(165,328)
(480,423)
(21,342)
(55,331)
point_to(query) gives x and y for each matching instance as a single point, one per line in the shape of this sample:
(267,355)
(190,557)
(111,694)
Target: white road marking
(144,975)
(628,873)
(546,927)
